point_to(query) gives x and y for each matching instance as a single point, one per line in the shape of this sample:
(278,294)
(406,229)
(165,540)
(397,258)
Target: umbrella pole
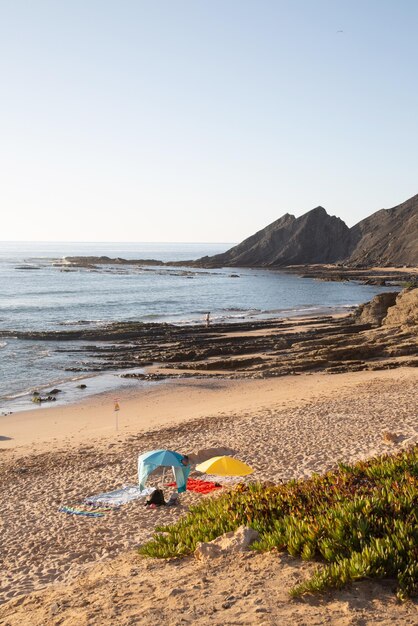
(116,410)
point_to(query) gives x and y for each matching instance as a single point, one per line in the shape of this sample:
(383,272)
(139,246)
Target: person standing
(207,320)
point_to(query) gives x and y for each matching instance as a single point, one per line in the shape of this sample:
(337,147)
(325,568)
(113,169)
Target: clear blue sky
(202,120)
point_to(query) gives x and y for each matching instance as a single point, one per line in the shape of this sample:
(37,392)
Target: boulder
(375,311)
(37,399)
(405,311)
(232,542)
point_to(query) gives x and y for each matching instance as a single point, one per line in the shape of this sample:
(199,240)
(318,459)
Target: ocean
(37,293)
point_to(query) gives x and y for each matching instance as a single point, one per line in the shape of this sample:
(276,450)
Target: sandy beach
(163,404)
(284,428)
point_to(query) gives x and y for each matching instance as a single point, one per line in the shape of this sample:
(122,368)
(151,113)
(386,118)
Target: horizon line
(109,241)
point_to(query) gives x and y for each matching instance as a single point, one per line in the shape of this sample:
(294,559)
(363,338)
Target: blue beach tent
(149,461)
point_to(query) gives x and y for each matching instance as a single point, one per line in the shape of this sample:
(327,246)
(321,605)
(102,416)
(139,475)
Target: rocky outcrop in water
(93,261)
(381,335)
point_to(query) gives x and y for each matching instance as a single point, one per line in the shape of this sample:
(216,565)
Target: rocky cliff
(315,237)
(388,237)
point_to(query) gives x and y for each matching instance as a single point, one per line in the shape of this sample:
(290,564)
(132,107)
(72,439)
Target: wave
(41,354)
(231,314)
(54,382)
(152,316)
(238,309)
(83,322)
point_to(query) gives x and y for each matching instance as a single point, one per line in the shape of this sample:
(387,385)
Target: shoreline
(114,381)
(125,354)
(83,360)
(97,384)
(167,403)
(121,351)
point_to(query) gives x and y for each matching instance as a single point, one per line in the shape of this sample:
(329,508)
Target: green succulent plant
(359,521)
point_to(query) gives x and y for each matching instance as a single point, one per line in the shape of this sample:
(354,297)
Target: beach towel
(120,496)
(86,513)
(199,486)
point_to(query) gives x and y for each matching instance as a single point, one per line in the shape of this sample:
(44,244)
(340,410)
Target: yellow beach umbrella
(224,466)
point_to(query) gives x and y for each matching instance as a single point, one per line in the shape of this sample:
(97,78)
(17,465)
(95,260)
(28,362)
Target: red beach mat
(198,486)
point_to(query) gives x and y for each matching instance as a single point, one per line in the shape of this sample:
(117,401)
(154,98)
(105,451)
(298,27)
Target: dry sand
(285,428)
(246,590)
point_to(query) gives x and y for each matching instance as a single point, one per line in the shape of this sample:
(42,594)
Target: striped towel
(71,510)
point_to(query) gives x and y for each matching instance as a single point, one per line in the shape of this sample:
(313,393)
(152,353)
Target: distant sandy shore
(284,428)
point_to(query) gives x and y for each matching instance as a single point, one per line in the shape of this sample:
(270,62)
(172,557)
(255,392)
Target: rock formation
(384,334)
(92,261)
(374,311)
(388,237)
(405,312)
(315,237)
(239,540)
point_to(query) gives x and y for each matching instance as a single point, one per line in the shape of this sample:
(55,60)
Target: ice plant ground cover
(359,521)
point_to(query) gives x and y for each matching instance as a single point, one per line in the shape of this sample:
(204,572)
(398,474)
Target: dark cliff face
(387,237)
(315,237)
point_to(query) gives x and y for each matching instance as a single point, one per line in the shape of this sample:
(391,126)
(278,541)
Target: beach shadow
(4,438)
(402,438)
(208,453)
(362,595)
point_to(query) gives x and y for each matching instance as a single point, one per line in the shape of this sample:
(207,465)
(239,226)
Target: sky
(202,120)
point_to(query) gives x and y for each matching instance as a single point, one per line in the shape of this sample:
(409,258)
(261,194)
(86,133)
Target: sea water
(38,294)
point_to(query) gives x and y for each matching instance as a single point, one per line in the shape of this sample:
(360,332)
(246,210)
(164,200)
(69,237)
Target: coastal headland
(379,247)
